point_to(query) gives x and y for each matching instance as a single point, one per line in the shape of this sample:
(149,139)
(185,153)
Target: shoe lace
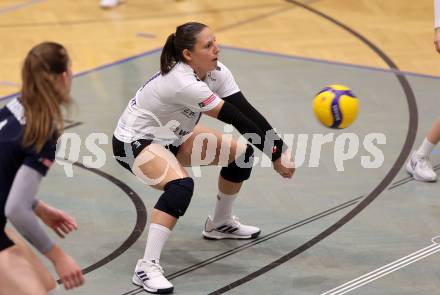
(154,267)
(236,221)
(426,163)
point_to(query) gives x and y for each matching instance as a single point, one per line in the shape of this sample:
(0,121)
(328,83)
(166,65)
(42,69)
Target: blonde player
(29,127)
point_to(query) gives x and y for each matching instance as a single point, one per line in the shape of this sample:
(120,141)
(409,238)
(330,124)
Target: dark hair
(41,96)
(184,38)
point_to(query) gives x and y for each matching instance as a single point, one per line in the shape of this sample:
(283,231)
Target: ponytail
(168,57)
(41,93)
(184,38)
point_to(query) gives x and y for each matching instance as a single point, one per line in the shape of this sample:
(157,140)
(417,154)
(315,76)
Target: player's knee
(176,197)
(240,170)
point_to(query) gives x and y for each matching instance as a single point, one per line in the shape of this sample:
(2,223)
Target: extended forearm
(266,141)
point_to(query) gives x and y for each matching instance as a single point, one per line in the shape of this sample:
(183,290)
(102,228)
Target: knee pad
(176,197)
(241,171)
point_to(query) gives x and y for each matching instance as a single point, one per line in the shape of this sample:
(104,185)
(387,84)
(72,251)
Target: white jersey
(167,107)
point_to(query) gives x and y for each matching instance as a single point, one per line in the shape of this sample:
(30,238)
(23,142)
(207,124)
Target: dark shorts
(5,241)
(136,147)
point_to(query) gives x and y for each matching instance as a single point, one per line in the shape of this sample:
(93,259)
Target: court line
(100,68)
(263,238)
(271,235)
(9,83)
(72,125)
(261,52)
(400,161)
(140,17)
(111,64)
(257,241)
(242,49)
(267,237)
(408,179)
(141,217)
(16,7)
(329,62)
(135,57)
(237,249)
(252,19)
(260,239)
(385,270)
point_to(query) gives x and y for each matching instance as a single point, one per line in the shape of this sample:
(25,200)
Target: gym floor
(368,226)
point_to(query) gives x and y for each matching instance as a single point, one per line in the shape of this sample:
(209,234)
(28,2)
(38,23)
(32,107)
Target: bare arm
(20,212)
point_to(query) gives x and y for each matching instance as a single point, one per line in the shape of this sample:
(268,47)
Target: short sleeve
(223,82)
(198,97)
(43,160)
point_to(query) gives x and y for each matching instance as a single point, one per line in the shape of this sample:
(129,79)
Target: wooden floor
(402,29)
(110,204)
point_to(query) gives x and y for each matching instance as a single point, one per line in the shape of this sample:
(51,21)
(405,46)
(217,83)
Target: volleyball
(336,106)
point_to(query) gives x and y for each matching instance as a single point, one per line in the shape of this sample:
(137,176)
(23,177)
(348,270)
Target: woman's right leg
(159,168)
(206,144)
(17,265)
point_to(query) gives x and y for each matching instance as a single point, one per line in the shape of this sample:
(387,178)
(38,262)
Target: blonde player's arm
(19,210)
(59,221)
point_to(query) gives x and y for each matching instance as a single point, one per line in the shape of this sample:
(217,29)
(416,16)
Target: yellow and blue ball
(335,106)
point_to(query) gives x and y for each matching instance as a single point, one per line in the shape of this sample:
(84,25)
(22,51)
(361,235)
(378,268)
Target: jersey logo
(3,123)
(188,113)
(46,162)
(207,101)
(137,144)
(211,77)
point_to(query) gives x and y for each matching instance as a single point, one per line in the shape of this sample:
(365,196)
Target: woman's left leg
(210,147)
(43,273)
(19,264)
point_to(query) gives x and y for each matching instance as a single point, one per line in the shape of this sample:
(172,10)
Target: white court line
(4,10)
(8,83)
(387,269)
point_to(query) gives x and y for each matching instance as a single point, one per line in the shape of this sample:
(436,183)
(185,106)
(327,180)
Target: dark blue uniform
(13,155)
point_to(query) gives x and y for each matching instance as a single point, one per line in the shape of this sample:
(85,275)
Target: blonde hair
(42,95)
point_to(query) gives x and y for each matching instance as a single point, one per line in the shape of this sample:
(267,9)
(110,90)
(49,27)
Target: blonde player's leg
(41,270)
(17,267)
